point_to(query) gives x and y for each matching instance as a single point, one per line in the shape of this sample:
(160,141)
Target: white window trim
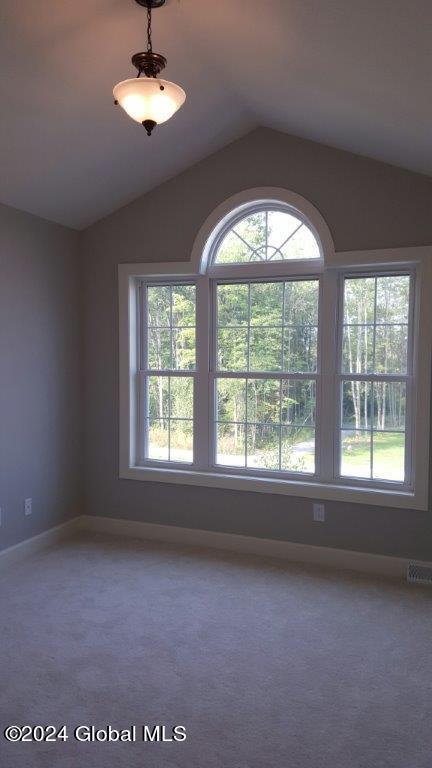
(330,266)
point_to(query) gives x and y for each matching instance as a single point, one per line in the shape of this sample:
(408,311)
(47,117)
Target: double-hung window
(376,366)
(277,365)
(265,363)
(168,363)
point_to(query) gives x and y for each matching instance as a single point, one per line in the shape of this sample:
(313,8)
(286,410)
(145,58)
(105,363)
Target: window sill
(299,488)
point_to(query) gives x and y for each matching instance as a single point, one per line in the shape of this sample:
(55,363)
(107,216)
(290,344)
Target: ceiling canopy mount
(151,3)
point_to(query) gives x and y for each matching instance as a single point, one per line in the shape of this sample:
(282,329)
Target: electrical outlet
(27,506)
(319,513)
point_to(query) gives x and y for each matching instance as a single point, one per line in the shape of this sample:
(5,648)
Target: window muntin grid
(266,423)
(266,234)
(171,327)
(271,424)
(168,354)
(374,385)
(267,326)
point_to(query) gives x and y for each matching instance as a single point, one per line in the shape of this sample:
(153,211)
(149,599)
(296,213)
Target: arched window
(269,361)
(265,330)
(266,232)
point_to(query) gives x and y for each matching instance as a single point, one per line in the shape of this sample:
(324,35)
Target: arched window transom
(266,233)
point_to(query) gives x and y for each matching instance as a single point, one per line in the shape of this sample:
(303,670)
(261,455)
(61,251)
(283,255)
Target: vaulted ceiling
(355,75)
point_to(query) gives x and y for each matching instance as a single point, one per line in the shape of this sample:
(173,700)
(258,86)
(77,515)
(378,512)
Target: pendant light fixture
(146,99)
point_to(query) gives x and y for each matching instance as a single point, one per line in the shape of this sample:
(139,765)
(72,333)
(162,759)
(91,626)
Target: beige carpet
(264,664)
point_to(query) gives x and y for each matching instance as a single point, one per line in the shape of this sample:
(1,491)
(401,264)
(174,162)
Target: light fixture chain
(149,29)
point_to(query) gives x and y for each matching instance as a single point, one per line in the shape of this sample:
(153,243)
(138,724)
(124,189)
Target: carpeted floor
(264,664)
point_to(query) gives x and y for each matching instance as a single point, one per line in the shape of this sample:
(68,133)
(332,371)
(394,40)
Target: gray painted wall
(40,379)
(366,205)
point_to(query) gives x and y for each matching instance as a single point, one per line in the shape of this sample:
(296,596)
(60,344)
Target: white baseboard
(302,553)
(330,557)
(37,543)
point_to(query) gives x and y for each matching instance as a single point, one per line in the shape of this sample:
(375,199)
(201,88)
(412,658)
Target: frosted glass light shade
(147,98)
